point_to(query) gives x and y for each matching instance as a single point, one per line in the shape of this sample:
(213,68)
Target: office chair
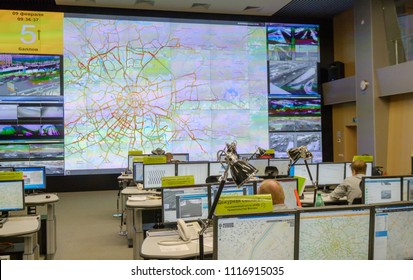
(357,201)
(212,179)
(271,171)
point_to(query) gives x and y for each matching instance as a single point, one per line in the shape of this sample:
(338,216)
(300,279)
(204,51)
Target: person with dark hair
(350,187)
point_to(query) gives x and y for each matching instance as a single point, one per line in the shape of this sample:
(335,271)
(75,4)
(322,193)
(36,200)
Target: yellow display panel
(31,32)
(244,204)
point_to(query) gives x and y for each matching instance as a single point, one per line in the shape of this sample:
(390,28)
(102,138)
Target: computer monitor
(181,156)
(189,203)
(260,164)
(231,189)
(289,185)
(281,164)
(217,168)
(137,171)
(407,188)
(153,173)
(330,173)
(6,169)
(266,236)
(11,196)
(381,189)
(393,231)
(199,169)
(334,233)
(34,177)
(301,170)
(369,169)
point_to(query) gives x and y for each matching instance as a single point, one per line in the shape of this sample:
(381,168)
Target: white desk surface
(148,203)
(20,225)
(41,198)
(136,191)
(152,250)
(125,177)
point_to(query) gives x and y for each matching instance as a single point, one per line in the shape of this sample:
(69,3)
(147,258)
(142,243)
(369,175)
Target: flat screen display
(153,173)
(34,177)
(281,164)
(11,195)
(330,173)
(198,169)
(381,189)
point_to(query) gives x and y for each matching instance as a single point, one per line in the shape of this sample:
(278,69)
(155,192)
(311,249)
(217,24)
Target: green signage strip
(244,204)
(301,184)
(154,160)
(177,181)
(10,176)
(365,158)
(134,153)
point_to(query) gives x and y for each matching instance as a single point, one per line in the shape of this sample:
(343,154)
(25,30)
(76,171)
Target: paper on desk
(174,248)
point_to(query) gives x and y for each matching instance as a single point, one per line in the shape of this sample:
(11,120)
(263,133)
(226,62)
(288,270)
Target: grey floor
(87,228)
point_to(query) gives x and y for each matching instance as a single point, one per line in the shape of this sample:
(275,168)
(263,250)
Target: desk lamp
(302,153)
(258,152)
(241,172)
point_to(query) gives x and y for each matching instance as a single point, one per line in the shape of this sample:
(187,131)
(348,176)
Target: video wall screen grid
(96,112)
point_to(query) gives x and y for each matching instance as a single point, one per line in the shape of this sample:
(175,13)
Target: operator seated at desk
(350,187)
(271,186)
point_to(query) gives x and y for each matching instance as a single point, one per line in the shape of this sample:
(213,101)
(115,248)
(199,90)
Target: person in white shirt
(350,187)
(271,186)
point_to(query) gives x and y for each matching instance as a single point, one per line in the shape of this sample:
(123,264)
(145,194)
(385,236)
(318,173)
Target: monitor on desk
(289,185)
(11,196)
(369,169)
(199,169)
(217,168)
(393,228)
(260,164)
(138,172)
(266,236)
(189,203)
(282,166)
(181,156)
(330,173)
(232,189)
(153,173)
(407,188)
(334,233)
(301,170)
(381,189)
(34,177)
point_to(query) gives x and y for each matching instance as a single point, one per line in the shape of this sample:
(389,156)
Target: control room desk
(152,250)
(48,199)
(26,227)
(308,199)
(135,231)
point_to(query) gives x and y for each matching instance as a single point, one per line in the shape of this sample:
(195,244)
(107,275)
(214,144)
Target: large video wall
(138,84)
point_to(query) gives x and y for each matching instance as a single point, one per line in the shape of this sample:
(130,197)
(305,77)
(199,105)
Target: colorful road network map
(139,85)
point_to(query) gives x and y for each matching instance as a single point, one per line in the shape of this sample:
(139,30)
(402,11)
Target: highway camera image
(29,75)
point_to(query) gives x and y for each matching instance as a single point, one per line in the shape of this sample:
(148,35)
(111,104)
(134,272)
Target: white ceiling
(238,7)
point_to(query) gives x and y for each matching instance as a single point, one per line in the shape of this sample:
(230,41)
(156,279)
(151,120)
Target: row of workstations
(17,196)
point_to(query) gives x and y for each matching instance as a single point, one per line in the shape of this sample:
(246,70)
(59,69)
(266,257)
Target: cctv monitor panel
(334,233)
(393,228)
(369,169)
(260,164)
(137,171)
(332,173)
(34,177)
(266,236)
(11,195)
(281,164)
(301,170)
(381,189)
(407,188)
(189,203)
(289,185)
(217,168)
(199,169)
(153,173)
